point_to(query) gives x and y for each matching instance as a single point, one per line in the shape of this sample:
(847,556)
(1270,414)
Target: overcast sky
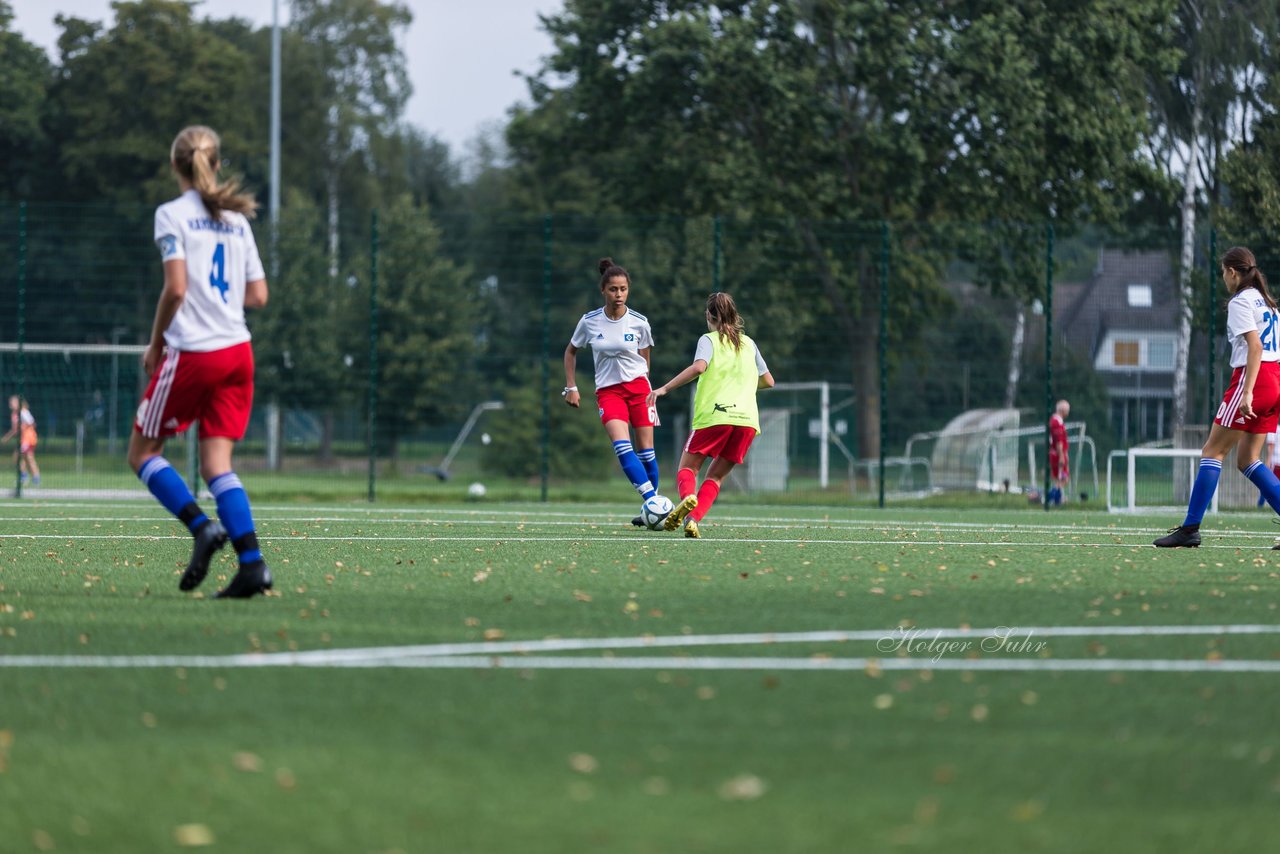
(461,53)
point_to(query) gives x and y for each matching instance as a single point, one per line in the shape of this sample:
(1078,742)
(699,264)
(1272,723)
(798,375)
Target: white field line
(726,522)
(596,539)
(552,518)
(719,663)
(887,640)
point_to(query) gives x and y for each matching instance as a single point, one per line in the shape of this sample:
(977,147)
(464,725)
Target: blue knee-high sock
(649,457)
(233,510)
(171,491)
(633,468)
(1266,481)
(1202,493)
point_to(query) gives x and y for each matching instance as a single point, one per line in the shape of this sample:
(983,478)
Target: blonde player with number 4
(729,370)
(200,361)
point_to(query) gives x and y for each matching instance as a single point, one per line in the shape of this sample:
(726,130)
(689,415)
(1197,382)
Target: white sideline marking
(678,663)
(829,664)
(551,518)
(488,651)
(596,538)
(934,528)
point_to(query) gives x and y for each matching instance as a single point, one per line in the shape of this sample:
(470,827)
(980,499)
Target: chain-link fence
(406,354)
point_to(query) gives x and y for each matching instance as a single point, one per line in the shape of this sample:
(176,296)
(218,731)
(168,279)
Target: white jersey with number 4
(221,257)
(1249,312)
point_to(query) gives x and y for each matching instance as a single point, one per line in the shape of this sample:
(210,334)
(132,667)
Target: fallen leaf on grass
(744,787)
(193,835)
(583,763)
(246,761)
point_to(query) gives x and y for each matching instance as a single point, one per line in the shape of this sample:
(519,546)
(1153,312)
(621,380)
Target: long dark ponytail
(1242,261)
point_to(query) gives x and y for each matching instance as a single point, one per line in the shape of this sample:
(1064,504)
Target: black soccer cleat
(252,579)
(1181,537)
(211,537)
(638,522)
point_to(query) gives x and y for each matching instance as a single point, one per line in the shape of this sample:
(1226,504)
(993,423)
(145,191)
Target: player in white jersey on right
(620,340)
(200,361)
(1251,407)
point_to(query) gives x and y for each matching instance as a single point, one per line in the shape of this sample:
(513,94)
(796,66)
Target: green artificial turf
(395,755)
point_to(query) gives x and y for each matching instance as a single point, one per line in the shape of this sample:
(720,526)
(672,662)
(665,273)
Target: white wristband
(568,389)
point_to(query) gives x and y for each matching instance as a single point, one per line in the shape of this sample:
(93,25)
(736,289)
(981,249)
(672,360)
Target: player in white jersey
(1250,409)
(620,340)
(200,361)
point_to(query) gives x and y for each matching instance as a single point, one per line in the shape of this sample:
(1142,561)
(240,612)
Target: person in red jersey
(1059,467)
(199,360)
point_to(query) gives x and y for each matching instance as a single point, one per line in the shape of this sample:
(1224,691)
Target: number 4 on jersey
(218,274)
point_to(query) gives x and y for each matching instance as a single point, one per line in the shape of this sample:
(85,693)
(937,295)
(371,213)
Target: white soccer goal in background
(800,425)
(984,450)
(1156,479)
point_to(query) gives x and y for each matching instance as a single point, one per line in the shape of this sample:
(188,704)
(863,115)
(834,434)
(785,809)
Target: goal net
(82,397)
(988,450)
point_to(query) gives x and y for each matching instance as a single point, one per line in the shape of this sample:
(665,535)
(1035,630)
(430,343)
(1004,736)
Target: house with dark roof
(1124,321)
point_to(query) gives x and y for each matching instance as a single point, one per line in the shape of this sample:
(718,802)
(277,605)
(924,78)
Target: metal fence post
(883,344)
(545,467)
(1048,354)
(373,355)
(22,329)
(1213,319)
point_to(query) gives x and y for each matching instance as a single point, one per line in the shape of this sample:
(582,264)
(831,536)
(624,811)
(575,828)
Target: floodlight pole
(275,132)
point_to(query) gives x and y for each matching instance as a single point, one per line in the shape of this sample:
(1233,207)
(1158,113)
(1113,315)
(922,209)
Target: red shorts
(1058,469)
(1266,401)
(722,441)
(215,387)
(627,402)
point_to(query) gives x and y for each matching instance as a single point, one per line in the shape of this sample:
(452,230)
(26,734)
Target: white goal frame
(1131,456)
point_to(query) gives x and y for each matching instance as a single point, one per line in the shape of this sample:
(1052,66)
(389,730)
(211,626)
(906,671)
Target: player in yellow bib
(729,370)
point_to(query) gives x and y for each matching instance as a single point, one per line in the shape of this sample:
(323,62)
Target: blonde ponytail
(195,157)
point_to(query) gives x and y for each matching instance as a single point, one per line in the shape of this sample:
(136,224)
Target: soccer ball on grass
(654,510)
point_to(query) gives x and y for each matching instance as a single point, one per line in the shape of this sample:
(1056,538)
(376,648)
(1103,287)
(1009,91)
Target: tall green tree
(428,326)
(824,110)
(306,338)
(367,85)
(123,92)
(24,79)
(1199,111)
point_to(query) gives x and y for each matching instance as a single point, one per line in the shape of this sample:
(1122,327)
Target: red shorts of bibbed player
(215,387)
(1266,401)
(627,402)
(721,441)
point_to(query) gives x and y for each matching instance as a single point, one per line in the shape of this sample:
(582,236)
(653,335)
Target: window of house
(1125,354)
(1140,296)
(1160,355)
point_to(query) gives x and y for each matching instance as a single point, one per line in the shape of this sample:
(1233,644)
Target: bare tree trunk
(1015,357)
(1182,350)
(331,190)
